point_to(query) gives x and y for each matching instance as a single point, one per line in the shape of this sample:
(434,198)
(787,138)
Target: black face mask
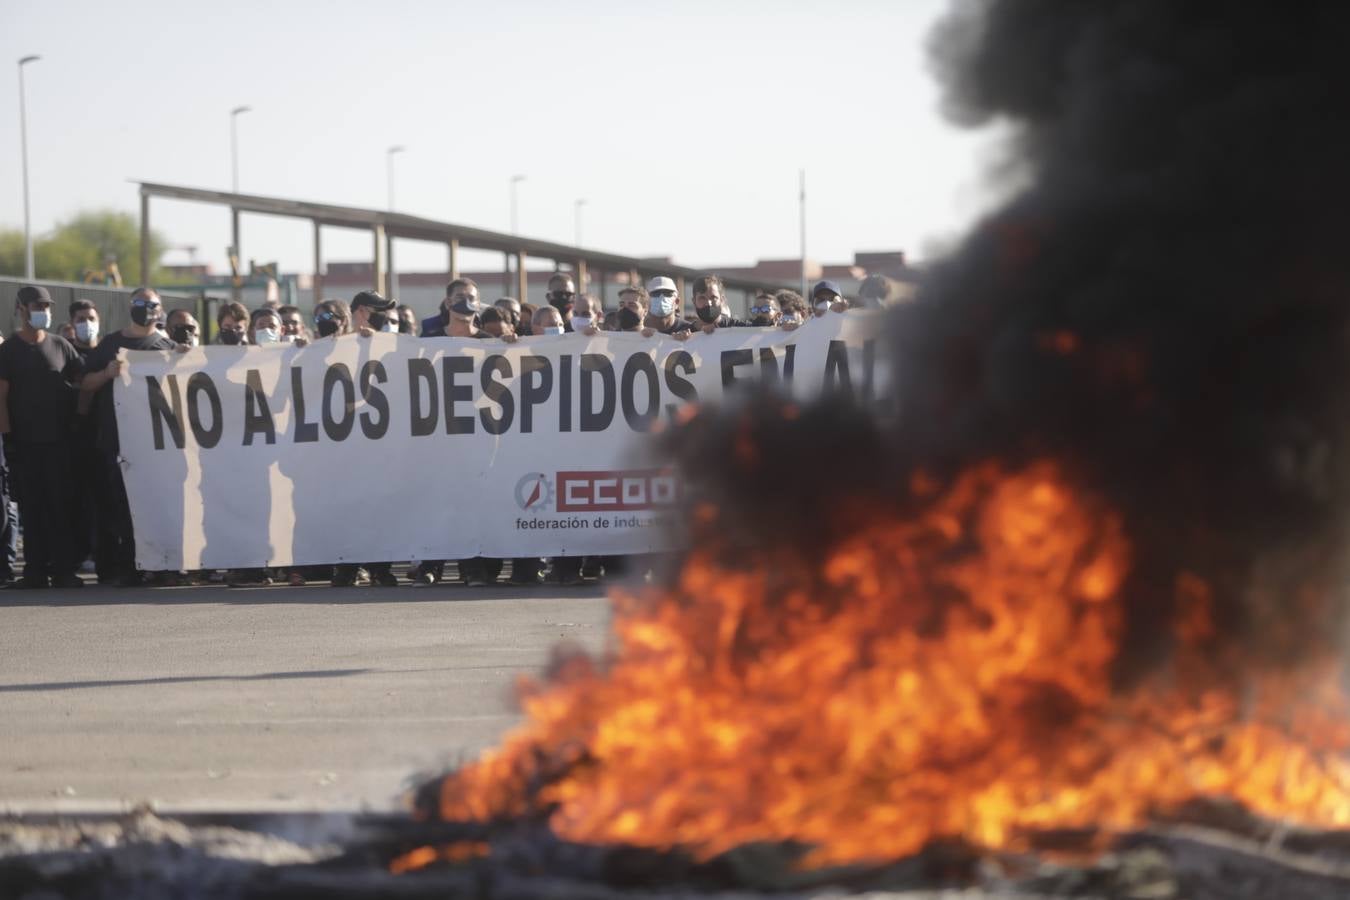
(144,315)
(327,327)
(628,320)
(231,338)
(405,327)
(709,313)
(563,306)
(377,319)
(181,335)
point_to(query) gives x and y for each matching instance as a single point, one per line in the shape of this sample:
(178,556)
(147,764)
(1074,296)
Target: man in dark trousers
(38,372)
(102,366)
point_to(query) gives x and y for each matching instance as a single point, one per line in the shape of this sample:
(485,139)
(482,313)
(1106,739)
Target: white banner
(394,448)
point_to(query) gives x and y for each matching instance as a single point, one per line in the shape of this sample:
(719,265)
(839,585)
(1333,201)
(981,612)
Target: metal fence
(114,308)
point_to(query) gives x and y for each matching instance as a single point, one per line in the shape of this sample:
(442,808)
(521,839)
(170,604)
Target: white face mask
(552,329)
(390,326)
(823,306)
(40,319)
(581,323)
(87,331)
(266,336)
(662,305)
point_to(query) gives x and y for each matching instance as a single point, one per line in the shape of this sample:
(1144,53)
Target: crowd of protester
(61,481)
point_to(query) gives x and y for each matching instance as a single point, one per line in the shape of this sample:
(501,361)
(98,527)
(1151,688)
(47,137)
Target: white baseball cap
(661,283)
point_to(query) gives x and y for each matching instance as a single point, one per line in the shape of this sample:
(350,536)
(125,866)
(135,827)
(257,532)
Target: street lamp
(234,143)
(578,205)
(23,144)
(389,159)
(515,180)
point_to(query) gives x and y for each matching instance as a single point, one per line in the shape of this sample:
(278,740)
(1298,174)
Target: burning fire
(946,674)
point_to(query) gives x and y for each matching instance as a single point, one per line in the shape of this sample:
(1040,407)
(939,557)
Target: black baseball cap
(32,293)
(828,287)
(372,299)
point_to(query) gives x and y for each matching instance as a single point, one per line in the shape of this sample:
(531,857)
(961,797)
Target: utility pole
(23,144)
(234,145)
(801,196)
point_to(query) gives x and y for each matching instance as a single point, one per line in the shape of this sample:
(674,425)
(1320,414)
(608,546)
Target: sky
(682,126)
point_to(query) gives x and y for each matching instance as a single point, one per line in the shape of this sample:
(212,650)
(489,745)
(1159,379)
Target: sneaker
(424,579)
(476,581)
(67,581)
(344,580)
(385,579)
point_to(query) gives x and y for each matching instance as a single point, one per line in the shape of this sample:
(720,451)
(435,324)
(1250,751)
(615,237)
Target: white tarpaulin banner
(392,448)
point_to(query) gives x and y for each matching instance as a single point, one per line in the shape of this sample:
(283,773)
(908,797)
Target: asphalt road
(279,698)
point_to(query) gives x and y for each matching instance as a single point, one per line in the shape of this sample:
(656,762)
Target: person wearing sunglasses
(765,312)
(331,319)
(562,295)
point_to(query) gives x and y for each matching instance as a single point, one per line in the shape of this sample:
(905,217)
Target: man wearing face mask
(84,458)
(562,294)
(84,317)
(462,292)
(232,325)
(181,327)
(710,305)
(264,327)
(292,326)
(407,319)
(586,313)
(116,553)
(371,312)
(663,308)
(826,297)
(38,371)
(547,320)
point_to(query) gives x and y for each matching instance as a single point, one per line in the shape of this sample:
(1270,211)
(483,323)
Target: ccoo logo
(534,491)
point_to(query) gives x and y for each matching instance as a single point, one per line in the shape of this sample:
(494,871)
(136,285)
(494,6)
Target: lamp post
(515,180)
(234,145)
(23,145)
(578,205)
(389,157)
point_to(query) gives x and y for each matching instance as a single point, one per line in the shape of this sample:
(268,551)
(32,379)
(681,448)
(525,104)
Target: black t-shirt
(104,353)
(42,379)
(677,327)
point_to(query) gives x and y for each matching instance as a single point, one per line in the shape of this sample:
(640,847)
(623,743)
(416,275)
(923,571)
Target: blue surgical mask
(662,305)
(41,319)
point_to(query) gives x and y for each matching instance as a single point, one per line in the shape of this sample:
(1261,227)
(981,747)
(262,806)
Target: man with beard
(371,312)
(116,553)
(710,306)
(512,314)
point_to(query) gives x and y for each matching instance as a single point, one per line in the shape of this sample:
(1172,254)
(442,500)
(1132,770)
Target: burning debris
(1095,568)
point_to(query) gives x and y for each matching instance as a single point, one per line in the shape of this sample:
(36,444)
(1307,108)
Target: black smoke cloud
(1163,307)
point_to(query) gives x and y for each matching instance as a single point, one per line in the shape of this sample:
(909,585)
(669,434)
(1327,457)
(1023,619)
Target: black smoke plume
(1164,308)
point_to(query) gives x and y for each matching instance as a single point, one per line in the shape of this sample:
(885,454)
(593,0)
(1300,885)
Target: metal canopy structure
(384,226)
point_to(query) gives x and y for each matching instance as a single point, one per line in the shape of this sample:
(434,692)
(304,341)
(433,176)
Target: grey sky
(683,125)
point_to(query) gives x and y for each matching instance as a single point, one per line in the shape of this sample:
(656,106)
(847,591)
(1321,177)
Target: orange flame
(946,675)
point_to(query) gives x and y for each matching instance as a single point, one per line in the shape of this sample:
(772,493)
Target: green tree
(87,242)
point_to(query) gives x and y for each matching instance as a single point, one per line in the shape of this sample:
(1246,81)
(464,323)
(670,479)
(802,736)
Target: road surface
(276,698)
